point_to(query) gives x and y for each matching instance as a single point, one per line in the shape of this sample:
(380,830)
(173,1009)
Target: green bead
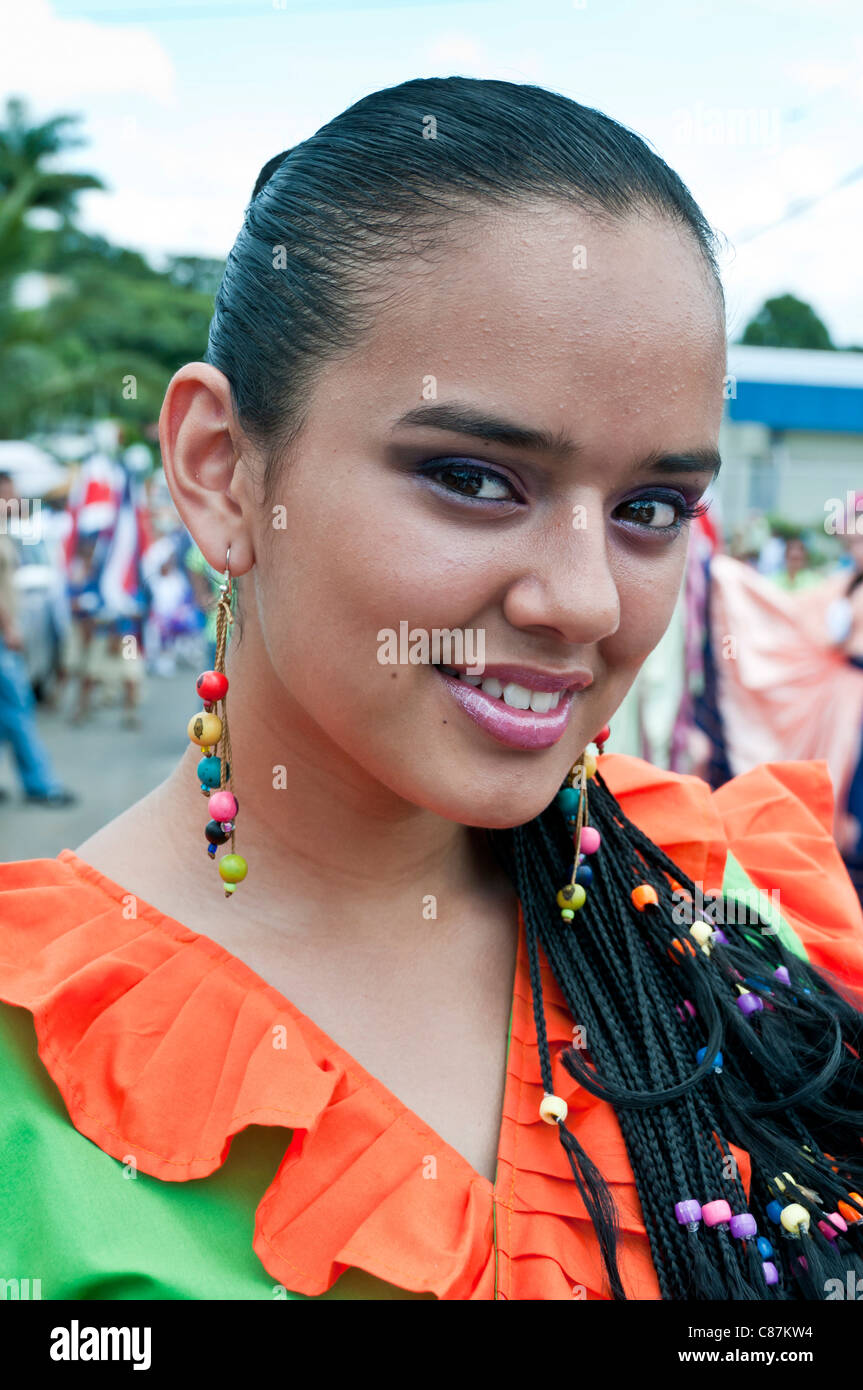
(567,914)
(233,868)
(571,896)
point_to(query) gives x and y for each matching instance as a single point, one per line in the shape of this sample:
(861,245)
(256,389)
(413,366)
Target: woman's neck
(329,848)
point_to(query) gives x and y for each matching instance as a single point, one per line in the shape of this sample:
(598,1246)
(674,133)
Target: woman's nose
(566,585)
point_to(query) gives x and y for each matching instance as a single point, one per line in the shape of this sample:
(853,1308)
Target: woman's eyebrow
(460,418)
(687,461)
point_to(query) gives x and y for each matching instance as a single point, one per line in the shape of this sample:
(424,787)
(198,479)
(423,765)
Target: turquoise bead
(568,799)
(210,772)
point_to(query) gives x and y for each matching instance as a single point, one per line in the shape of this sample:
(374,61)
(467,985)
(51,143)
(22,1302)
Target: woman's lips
(517,728)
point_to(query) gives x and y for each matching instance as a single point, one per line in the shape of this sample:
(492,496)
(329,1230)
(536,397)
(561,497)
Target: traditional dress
(184,1132)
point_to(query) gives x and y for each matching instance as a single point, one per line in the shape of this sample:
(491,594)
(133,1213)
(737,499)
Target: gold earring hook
(227,588)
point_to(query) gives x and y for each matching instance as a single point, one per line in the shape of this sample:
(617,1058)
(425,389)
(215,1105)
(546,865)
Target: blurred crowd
(101,587)
(762,662)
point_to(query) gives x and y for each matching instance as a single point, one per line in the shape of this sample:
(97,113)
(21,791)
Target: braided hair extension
(790,1090)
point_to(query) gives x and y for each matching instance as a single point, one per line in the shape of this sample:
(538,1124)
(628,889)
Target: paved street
(107,766)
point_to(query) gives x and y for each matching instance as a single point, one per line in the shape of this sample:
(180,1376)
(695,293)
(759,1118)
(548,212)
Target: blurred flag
(122,583)
(93,500)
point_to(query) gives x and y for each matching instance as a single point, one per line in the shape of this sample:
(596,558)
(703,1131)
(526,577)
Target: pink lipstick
(518,728)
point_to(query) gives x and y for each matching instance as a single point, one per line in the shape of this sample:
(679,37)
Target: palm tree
(26,184)
(27,368)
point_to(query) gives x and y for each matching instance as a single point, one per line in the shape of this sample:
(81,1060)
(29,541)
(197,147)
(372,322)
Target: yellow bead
(233,868)
(589,765)
(553,1109)
(795,1218)
(204,728)
(573,895)
(702,933)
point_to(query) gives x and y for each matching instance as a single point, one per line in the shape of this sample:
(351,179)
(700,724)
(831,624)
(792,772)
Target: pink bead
(227,826)
(716,1213)
(590,840)
(222,806)
(833,1225)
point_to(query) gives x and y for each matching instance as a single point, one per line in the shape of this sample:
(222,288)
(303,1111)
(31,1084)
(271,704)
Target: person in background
(174,612)
(845,627)
(84,603)
(17,705)
(798,571)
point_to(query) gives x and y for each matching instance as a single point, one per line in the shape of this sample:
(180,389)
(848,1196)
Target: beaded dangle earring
(209,730)
(572,800)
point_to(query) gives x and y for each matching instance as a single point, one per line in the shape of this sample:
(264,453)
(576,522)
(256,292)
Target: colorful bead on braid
(741,1226)
(209,729)
(572,800)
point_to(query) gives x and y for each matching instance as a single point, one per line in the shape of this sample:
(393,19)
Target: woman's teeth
(517,696)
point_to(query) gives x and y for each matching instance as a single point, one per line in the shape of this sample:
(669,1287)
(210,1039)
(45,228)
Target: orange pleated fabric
(164,1045)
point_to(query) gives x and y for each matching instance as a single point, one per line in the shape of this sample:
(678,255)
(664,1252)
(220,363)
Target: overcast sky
(758,104)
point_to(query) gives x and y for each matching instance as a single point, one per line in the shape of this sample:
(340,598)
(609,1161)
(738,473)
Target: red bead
(604,734)
(212,685)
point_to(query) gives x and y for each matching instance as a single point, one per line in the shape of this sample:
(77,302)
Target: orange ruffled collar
(164,1045)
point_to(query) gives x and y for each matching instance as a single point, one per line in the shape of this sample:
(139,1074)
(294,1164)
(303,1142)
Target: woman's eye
(656,513)
(473,482)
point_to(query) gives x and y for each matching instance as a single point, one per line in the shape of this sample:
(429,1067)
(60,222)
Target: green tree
(114,328)
(26,184)
(786,322)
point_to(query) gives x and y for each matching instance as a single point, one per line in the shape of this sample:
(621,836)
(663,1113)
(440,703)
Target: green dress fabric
(80,1224)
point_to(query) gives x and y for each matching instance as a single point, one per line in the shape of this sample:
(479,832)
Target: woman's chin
(488,809)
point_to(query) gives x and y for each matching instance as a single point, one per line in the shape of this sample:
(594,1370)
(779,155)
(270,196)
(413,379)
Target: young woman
(427,1028)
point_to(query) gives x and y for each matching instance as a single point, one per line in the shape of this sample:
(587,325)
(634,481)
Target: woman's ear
(201,445)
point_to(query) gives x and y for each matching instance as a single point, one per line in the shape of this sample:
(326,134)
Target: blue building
(792,434)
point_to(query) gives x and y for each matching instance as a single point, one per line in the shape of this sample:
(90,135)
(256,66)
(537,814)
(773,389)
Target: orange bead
(642,895)
(851,1213)
(681,947)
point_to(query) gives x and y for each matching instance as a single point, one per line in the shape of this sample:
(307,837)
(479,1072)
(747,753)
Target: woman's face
(567,559)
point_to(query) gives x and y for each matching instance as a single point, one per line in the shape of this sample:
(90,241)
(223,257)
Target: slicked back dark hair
(387,181)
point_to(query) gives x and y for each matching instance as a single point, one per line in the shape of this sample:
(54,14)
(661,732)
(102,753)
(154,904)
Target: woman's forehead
(631,323)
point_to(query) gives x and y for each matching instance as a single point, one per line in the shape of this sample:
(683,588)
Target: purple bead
(750,1003)
(771,1273)
(719,937)
(781,974)
(744,1225)
(688,1212)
